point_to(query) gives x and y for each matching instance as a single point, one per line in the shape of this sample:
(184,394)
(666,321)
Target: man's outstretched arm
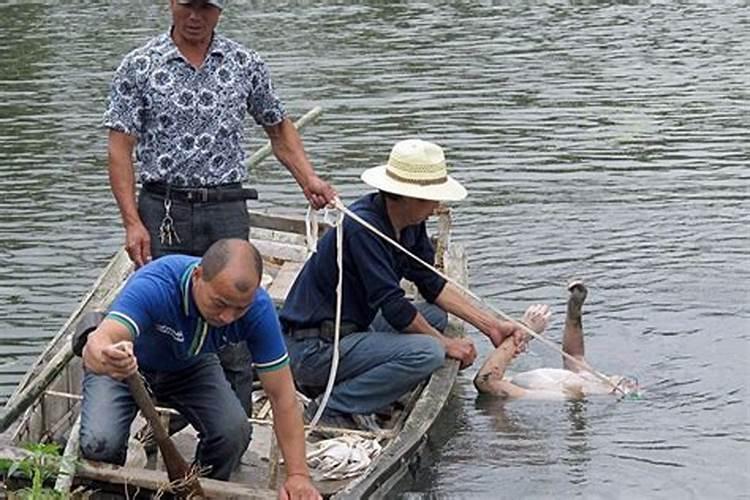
(290,433)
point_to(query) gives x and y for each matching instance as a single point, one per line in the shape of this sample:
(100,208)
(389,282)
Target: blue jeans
(201,394)
(376,367)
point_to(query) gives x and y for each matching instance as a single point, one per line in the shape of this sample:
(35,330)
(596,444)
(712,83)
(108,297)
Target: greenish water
(607,140)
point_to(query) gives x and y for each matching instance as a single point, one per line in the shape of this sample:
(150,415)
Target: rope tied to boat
(337,222)
(350,455)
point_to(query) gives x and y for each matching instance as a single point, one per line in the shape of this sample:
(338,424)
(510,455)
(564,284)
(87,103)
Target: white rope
(339,223)
(615,387)
(345,456)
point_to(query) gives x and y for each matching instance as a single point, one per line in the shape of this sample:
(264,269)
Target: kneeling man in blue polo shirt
(177,312)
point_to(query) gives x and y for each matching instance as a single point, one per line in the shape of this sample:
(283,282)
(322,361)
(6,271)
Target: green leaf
(14,468)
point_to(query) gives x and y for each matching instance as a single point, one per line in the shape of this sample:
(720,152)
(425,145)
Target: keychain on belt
(167,231)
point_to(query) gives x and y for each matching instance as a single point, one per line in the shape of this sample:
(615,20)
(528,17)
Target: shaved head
(241,256)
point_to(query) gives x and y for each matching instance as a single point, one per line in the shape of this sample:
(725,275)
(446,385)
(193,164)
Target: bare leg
(573,333)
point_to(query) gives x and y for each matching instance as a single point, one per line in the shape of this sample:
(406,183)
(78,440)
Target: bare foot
(537,317)
(577,297)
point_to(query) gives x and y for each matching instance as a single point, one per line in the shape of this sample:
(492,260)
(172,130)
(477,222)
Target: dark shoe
(367,422)
(329,418)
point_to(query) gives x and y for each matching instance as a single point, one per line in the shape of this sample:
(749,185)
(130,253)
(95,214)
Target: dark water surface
(608,140)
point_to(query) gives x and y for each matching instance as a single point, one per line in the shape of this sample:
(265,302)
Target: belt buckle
(197,194)
(327,330)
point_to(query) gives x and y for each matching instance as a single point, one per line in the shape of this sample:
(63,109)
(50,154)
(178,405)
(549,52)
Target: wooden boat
(46,405)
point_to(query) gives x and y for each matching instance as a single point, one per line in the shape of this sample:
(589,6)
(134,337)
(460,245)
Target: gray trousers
(198,226)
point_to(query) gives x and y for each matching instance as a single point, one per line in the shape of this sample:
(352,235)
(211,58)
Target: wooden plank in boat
(283,223)
(148,479)
(56,410)
(278,236)
(283,281)
(154,480)
(75,374)
(37,424)
(13,453)
(272,250)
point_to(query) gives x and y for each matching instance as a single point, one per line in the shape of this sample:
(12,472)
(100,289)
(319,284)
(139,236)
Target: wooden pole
(36,387)
(177,469)
(274,456)
(265,151)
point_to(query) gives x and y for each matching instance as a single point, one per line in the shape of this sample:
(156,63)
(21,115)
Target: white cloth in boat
(560,381)
(341,457)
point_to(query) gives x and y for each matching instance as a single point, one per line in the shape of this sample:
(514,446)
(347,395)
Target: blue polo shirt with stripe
(169,334)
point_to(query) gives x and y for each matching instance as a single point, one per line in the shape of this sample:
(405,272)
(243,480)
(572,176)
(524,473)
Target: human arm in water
(489,378)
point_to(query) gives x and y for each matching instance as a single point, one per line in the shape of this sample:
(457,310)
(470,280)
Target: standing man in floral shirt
(180,102)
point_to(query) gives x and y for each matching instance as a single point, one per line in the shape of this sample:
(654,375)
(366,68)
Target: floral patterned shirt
(189,122)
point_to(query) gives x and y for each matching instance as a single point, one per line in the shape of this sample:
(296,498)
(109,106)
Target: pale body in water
(573,381)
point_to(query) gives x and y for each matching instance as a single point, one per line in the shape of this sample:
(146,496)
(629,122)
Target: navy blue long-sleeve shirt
(373,269)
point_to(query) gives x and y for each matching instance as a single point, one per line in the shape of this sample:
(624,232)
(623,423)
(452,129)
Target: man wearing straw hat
(180,102)
(388,344)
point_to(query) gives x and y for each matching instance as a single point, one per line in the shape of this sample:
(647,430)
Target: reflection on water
(602,139)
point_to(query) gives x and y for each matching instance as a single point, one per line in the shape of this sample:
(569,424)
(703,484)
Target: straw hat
(416,169)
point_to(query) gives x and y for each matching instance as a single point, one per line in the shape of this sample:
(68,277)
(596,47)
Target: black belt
(325,331)
(227,192)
